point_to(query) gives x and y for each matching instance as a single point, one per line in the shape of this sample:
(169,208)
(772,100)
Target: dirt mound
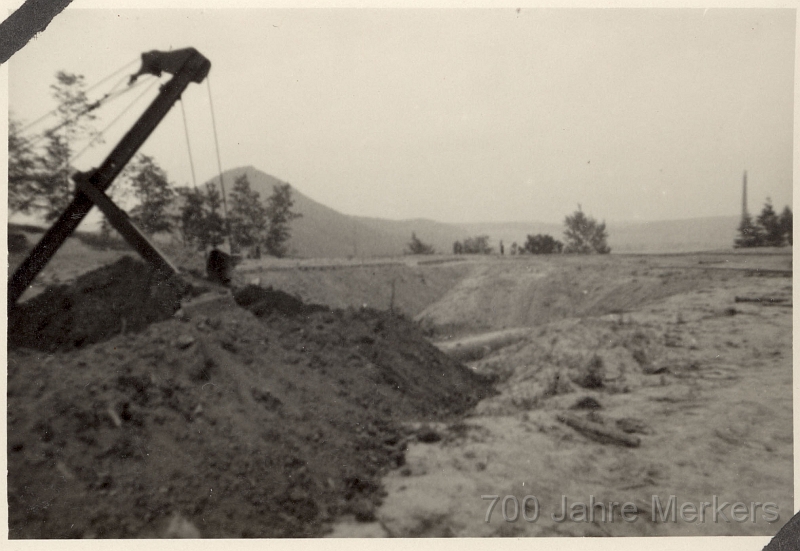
(234,425)
(263,302)
(127,295)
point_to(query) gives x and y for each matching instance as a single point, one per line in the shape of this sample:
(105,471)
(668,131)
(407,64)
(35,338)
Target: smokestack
(744,196)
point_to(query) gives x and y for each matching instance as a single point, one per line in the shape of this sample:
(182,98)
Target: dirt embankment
(263,423)
(405,289)
(528,292)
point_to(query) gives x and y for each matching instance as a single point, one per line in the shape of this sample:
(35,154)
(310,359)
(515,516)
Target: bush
(542,244)
(473,245)
(416,246)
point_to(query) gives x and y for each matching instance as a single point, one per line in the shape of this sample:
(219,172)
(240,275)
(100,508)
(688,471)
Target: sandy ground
(703,381)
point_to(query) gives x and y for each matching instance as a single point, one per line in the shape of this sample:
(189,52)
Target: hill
(672,236)
(322,231)
(325,232)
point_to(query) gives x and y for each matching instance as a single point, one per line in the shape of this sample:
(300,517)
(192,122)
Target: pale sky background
(459,115)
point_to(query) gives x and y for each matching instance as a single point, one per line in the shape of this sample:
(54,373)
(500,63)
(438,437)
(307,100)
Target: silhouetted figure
(502,249)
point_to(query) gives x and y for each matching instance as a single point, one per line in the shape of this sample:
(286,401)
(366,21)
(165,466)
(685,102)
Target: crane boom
(186,66)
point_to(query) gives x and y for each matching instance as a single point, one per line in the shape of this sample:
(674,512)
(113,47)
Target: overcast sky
(459,115)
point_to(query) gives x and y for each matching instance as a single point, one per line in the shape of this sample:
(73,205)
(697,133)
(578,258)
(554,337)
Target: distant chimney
(744,196)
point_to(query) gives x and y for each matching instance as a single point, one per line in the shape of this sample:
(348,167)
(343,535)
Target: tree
(279,216)
(768,230)
(247,214)
(584,235)
(214,230)
(74,108)
(773,235)
(199,220)
(154,193)
(750,234)
(542,244)
(40,180)
(188,220)
(786,223)
(56,186)
(416,246)
(23,184)
(74,111)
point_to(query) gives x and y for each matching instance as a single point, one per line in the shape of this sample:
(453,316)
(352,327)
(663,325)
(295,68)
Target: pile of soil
(228,425)
(127,295)
(263,302)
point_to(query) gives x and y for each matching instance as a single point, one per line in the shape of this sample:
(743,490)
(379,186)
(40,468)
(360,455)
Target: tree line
(583,235)
(39,182)
(768,230)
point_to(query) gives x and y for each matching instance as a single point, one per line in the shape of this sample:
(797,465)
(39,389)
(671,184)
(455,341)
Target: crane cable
(98,83)
(219,165)
(96,138)
(92,87)
(188,144)
(108,98)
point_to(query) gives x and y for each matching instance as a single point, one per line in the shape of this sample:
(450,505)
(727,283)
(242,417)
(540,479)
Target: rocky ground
(191,411)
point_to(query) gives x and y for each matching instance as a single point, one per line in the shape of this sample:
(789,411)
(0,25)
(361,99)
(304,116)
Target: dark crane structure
(186,66)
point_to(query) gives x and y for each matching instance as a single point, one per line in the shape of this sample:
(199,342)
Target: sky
(468,115)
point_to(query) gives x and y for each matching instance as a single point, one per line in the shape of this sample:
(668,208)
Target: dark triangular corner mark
(788,538)
(31,18)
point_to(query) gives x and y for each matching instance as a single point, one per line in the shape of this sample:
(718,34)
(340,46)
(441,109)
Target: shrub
(542,244)
(416,246)
(473,245)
